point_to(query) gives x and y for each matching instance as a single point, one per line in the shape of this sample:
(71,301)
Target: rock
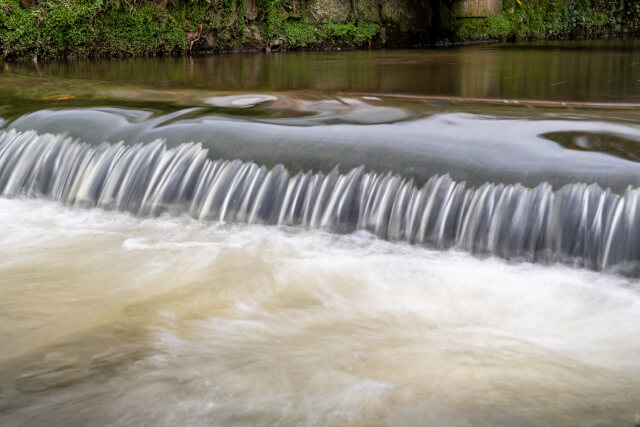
(367,10)
(328,11)
(251,7)
(409,16)
(477,8)
(252,32)
(211,41)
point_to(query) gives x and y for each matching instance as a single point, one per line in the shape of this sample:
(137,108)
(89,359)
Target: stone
(477,8)
(251,9)
(408,15)
(322,11)
(252,32)
(367,10)
(211,41)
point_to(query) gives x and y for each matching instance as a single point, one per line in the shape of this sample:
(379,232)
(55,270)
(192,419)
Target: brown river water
(472,260)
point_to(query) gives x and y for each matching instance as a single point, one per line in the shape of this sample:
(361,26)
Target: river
(410,237)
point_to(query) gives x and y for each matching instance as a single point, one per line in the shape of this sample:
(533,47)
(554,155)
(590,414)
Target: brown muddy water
(402,238)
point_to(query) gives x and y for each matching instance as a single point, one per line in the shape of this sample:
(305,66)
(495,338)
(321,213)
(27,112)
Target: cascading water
(414,260)
(579,224)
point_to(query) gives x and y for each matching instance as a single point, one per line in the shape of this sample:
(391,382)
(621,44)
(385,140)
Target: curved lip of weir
(471,147)
(577,224)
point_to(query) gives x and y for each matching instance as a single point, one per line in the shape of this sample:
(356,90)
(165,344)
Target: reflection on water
(174,321)
(603,70)
(613,144)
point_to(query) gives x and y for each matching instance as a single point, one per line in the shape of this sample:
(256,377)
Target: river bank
(552,20)
(94,28)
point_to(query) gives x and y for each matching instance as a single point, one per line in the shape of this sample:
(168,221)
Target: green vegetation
(145,30)
(60,28)
(81,27)
(359,32)
(272,17)
(297,32)
(303,34)
(549,19)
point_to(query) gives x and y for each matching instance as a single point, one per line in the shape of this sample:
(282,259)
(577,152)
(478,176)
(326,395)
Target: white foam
(240,101)
(260,324)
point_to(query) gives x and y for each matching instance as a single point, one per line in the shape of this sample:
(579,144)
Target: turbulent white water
(111,319)
(579,224)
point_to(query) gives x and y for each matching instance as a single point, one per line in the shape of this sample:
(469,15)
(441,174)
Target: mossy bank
(63,28)
(550,19)
(99,28)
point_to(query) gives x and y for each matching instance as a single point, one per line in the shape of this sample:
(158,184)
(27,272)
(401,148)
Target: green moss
(303,34)
(137,27)
(51,28)
(339,30)
(300,33)
(549,19)
(145,30)
(18,32)
(499,27)
(272,17)
(82,27)
(366,31)
(472,29)
(242,13)
(356,32)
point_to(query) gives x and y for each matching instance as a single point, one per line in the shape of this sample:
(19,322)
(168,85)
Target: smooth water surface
(598,71)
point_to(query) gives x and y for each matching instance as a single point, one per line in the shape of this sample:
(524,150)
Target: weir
(578,224)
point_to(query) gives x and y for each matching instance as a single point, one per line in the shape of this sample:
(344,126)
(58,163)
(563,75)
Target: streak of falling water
(578,224)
